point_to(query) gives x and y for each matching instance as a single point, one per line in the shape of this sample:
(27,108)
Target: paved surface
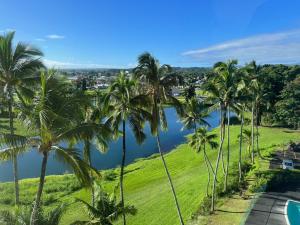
(269,209)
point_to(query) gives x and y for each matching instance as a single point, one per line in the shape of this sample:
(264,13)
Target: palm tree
(106,209)
(21,216)
(256,91)
(194,114)
(221,89)
(246,137)
(18,65)
(199,140)
(158,86)
(54,113)
(242,98)
(127,105)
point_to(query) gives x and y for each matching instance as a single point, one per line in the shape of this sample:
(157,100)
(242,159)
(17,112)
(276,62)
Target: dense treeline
(48,103)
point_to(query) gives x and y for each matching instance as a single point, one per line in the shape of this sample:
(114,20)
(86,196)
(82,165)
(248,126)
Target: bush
(258,185)
(49,199)
(110,175)
(7,200)
(204,208)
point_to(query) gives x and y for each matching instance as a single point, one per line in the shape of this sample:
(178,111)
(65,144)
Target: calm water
(30,162)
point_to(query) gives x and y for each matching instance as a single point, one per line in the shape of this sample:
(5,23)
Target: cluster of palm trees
(48,105)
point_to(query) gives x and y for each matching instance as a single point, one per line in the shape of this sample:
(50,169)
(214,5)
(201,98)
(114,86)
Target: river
(30,162)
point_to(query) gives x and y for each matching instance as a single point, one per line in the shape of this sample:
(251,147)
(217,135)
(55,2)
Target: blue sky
(112,33)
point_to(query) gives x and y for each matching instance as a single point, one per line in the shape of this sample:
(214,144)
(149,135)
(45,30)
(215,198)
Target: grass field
(146,185)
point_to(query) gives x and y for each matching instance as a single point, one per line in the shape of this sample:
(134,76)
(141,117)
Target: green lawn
(146,185)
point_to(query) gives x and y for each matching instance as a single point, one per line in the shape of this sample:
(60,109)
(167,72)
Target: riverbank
(146,185)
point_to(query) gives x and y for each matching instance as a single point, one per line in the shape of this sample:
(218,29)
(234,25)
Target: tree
(127,106)
(246,138)
(288,108)
(242,99)
(18,65)
(91,114)
(21,216)
(189,92)
(199,140)
(54,114)
(194,114)
(256,92)
(106,209)
(157,86)
(221,87)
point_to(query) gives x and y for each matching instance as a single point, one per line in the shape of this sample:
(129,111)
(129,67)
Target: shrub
(204,208)
(110,175)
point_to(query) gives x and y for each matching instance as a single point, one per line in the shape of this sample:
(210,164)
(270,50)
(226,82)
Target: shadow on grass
(227,211)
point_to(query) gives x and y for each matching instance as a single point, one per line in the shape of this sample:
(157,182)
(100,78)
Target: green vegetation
(146,178)
(55,112)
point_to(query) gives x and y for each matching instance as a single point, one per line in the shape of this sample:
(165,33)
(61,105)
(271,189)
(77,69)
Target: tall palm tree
(255,89)
(199,140)
(127,106)
(54,114)
(157,85)
(18,65)
(221,88)
(106,210)
(240,106)
(195,112)
(93,112)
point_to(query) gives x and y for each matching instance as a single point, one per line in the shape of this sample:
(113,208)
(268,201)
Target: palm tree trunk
(87,158)
(40,190)
(228,149)
(240,147)
(252,133)
(169,178)
(208,170)
(256,124)
(15,157)
(213,196)
(122,172)
(222,133)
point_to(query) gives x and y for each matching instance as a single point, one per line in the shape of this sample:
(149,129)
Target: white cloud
(40,39)
(70,65)
(55,36)
(7,30)
(282,47)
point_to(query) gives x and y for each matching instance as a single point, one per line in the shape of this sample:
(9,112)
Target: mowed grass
(147,188)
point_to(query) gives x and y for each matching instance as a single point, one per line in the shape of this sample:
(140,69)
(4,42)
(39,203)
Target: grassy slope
(148,190)
(146,185)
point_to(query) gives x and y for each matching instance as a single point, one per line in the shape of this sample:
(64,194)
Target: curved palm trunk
(169,178)
(213,196)
(122,171)
(252,133)
(228,149)
(240,146)
(15,157)
(40,190)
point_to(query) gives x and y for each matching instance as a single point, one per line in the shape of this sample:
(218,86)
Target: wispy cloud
(282,47)
(40,39)
(71,65)
(55,36)
(7,30)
